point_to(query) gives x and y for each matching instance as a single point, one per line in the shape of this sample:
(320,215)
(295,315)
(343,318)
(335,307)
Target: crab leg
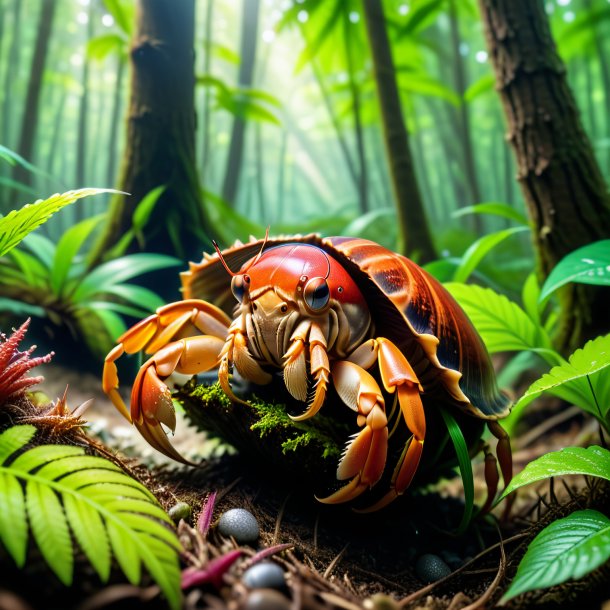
(151,400)
(159,329)
(365,457)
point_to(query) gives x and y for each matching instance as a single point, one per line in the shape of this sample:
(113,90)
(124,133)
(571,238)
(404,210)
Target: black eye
(316,294)
(239,286)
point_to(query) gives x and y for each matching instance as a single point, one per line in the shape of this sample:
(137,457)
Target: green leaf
(101,46)
(479,249)
(138,295)
(567,549)
(422,84)
(116,271)
(18,223)
(146,206)
(529,296)
(107,513)
(592,461)
(493,208)
(67,248)
(483,85)
(420,16)
(122,12)
(502,324)
(465,465)
(587,265)
(582,380)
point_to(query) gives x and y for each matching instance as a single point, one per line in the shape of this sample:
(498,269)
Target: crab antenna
(252,262)
(222,260)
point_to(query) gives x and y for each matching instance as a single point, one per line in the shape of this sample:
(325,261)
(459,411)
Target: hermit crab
(337,311)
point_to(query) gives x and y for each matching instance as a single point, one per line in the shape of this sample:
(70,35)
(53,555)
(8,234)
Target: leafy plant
(56,492)
(53,281)
(571,547)
(19,223)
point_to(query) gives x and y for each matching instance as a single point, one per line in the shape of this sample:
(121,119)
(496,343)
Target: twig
(278,520)
(334,562)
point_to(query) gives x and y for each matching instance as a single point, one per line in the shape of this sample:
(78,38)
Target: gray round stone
(431,568)
(266,599)
(239,523)
(265,574)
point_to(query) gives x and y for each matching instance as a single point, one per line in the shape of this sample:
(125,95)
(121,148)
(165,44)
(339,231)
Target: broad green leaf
(127,310)
(34,272)
(465,465)
(223,52)
(18,223)
(138,295)
(42,247)
(582,380)
(101,46)
(566,549)
(119,270)
(592,461)
(442,269)
(123,13)
(13,527)
(479,249)
(67,248)
(502,324)
(493,208)
(125,552)
(587,265)
(529,296)
(483,85)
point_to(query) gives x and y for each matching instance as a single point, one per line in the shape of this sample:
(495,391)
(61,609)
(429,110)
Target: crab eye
(316,293)
(239,286)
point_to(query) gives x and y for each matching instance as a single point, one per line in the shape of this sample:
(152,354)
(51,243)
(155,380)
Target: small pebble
(239,523)
(266,599)
(379,601)
(180,510)
(265,574)
(431,568)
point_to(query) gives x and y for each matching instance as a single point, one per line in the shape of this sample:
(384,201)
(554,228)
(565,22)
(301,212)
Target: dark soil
(338,558)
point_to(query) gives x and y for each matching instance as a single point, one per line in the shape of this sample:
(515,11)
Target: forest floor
(337,558)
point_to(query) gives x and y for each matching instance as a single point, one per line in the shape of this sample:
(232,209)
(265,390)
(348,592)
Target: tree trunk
(562,184)
(463,117)
(115,121)
(249,34)
(206,111)
(11,69)
(161,135)
(414,235)
(32,102)
(83,111)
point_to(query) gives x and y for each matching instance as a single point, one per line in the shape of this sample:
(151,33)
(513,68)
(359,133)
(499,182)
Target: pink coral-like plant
(15,364)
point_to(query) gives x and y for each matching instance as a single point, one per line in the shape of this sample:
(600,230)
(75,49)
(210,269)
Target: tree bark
(29,120)
(161,135)
(249,34)
(561,181)
(414,233)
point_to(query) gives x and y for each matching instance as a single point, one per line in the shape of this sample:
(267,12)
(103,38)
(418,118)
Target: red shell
(408,306)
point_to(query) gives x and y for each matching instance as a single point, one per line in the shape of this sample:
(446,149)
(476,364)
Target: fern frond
(60,494)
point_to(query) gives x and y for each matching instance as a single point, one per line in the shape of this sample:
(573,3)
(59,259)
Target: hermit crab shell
(408,306)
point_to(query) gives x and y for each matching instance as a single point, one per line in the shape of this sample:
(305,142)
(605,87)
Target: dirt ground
(340,559)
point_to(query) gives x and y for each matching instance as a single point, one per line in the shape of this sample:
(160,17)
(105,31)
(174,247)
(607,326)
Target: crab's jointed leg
(365,457)
(504,453)
(185,337)
(398,376)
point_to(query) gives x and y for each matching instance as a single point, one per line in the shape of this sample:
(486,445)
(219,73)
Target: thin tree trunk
(463,122)
(83,111)
(363,186)
(414,235)
(9,75)
(32,102)
(115,122)
(161,135)
(562,184)
(249,35)
(281,175)
(56,133)
(206,111)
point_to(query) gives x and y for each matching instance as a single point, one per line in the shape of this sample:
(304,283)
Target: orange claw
(151,403)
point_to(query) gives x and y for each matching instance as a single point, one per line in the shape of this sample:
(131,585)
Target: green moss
(321,434)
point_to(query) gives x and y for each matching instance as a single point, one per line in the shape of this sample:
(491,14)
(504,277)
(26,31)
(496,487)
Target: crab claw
(151,399)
